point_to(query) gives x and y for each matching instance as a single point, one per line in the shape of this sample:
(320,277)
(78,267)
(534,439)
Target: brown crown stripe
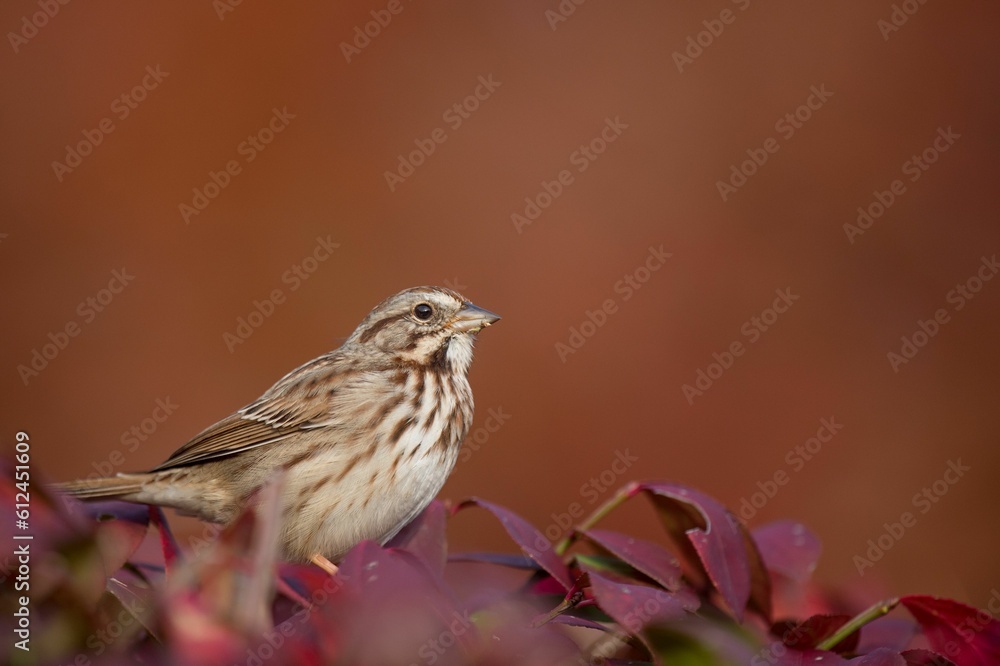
(377,326)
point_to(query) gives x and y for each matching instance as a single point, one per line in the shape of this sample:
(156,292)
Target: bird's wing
(299,401)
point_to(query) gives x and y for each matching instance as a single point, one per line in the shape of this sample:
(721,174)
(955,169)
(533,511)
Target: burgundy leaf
(646,557)
(117,540)
(167,542)
(197,637)
(970,637)
(298,581)
(777,654)
(531,541)
(544,585)
(634,607)
(880,657)
(761,593)
(607,564)
(376,571)
(890,632)
(818,628)
(574,621)
(390,606)
(139,601)
(925,658)
(425,538)
(503,559)
(788,548)
(717,538)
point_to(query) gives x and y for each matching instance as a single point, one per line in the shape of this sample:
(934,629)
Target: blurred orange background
(117,115)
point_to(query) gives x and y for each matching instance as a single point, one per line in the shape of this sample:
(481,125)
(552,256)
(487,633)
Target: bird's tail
(104,488)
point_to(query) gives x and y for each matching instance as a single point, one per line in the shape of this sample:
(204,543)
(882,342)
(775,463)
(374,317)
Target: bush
(79,593)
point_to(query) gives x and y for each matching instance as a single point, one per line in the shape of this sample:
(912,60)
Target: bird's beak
(472,318)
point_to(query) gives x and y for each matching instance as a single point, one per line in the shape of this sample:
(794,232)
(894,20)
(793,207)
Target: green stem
(597,515)
(858,621)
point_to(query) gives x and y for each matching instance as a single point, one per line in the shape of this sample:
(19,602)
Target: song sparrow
(368,433)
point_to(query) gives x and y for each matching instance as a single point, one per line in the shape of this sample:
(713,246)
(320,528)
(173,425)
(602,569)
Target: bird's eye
(423,311)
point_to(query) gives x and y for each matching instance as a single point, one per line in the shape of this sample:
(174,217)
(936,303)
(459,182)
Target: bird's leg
(324,564)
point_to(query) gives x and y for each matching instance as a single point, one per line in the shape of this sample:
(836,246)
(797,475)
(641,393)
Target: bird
(366,434)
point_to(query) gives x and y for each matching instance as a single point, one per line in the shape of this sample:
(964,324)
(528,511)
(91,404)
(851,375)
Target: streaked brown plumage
(368,433)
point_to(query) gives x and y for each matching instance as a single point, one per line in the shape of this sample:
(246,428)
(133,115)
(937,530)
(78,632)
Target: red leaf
(880,657)
(887,632)
(778,655)
(138,601)
(390,607)
(300,581)
(425,538)
(167,541)
(788,548)
(500,559)
(634,607)
(574,621)
(531,541)
(925,658)
(118,539)
(647,557)
(816,629)
(970,637)
(718,539)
